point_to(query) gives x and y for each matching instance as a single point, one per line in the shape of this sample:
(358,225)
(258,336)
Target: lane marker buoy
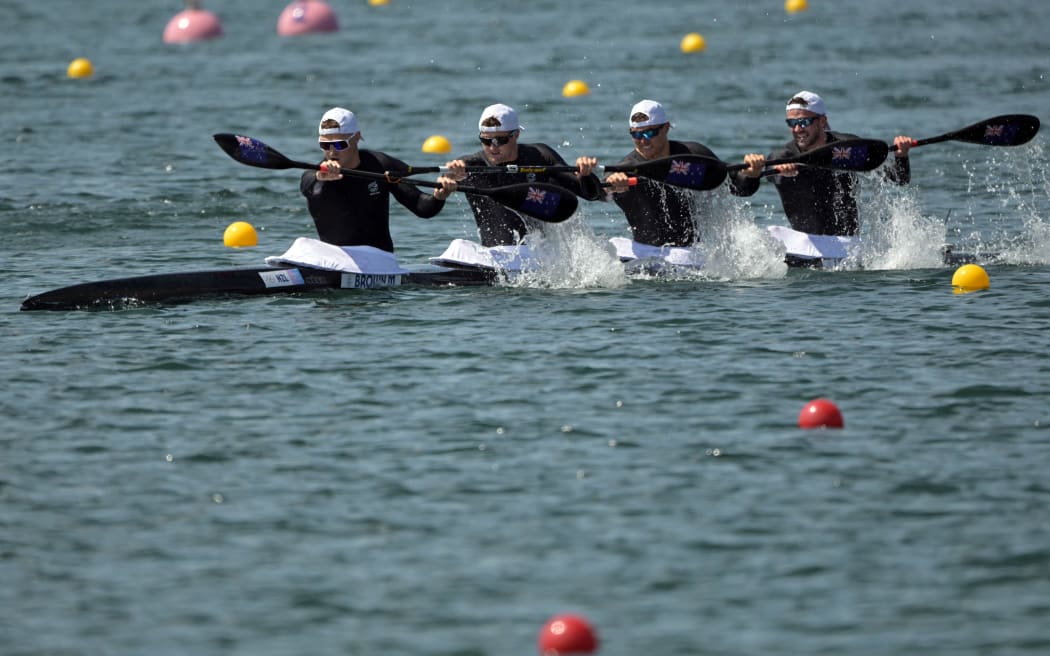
(240,234)
(820,413)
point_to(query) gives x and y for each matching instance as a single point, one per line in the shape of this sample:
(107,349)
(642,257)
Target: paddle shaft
(638,169)
(387,177)
(390,177)
(660,165)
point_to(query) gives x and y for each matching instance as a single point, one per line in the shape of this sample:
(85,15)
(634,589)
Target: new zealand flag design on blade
(251,150)
(686,174)
(849,157)
(1001,135)
(540,202)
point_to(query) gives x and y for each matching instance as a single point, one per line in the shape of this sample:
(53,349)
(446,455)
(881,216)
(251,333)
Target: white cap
(807,101)
(650,108)
(344,117)
(504,114)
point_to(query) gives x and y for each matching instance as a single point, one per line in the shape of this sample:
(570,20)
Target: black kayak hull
(949,257)
(120,293)
(175,287)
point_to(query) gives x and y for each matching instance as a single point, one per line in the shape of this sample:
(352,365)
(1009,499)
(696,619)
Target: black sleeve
(900,170)
(420,203)
(588,188)
(742,185)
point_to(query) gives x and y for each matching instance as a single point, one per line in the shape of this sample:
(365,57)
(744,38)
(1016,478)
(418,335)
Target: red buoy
(820,413)
(306,17)
(193,24)
(567,634)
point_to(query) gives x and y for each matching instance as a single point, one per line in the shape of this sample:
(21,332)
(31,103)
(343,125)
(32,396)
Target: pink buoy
(305,17)
(192,24)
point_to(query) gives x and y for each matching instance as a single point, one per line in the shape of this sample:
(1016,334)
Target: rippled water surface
(438,471)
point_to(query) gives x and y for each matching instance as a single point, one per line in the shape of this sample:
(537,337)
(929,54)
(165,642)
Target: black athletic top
(356,211)
(821,201)
(661,215)
(497,224)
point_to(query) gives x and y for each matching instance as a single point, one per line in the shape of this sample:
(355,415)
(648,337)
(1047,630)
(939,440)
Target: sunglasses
(338,145)
(801,122)
(647,133)
(497,141)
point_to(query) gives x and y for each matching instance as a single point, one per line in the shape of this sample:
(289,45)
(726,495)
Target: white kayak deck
(309,252)
(463,253)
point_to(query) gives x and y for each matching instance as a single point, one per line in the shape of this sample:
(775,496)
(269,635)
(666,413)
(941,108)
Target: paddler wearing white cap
(355,211)
(821,201)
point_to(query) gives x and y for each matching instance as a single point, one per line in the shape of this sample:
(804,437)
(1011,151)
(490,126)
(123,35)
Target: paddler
(821,201)
(354,211)
(659,214)
(498,132)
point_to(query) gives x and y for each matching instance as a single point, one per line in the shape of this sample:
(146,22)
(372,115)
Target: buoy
(567,634)
(240,234)
(693,42)
(820,413)
(80,67)
(378,3)
(795,6)
(970,278)
(437,144)
(193,24)
(305,17)
(574,88)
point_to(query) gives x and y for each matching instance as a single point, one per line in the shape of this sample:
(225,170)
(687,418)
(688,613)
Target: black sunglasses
(804,122)
(647,133)
(338,145)
(497,141)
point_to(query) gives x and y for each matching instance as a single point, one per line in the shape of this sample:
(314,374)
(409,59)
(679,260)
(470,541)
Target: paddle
(691,171)
(546,202)
(1005,130)
(844,155)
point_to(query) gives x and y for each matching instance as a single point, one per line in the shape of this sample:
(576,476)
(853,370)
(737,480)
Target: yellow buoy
(240,234)
(970,278)
(437,144)
(795,6)
(693,42)
(574,88)
(378,3)
(80,67)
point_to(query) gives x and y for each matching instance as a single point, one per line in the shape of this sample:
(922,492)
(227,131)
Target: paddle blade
(253,152)
(546,202)
(848,155)
(688,171)
(1006,130)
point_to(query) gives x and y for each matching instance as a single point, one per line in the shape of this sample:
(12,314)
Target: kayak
(175,287)
(312,265)
(309,265)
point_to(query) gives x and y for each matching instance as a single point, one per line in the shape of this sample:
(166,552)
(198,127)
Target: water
(421,471)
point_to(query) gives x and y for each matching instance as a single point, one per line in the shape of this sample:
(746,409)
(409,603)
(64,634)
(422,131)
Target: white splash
(570,255)
(901,237)
(737,248)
